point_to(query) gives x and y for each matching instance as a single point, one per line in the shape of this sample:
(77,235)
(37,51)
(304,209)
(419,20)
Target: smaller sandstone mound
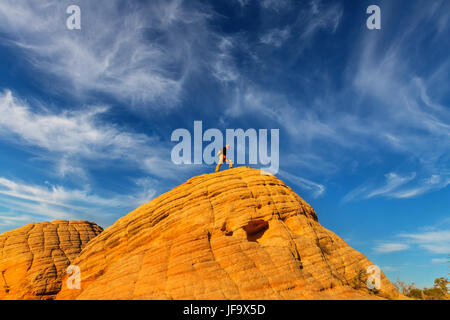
(34,258)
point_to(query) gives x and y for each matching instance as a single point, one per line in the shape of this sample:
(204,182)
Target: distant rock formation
(34,258)
(236,234)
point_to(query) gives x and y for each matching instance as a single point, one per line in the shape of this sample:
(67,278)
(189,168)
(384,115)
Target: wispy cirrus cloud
(73,199)
(433,183)
(320,16)
(72,133)
(433,239)
(440,260)
(391,247)
(389,268)
(275,5)
(69,139)
(408,109)
(399,187)
(276,37)
(13,220)
(393,181)
(268,4)
(20,201)
(316,189)
(312,18)
(405,110)
(223,65)
(140,53)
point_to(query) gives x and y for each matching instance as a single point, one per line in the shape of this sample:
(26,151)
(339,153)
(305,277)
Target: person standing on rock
(222,154)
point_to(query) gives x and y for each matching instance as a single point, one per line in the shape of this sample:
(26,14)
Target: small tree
(441,284)
(359,280)
(404,287)
(438,292)
(416,294)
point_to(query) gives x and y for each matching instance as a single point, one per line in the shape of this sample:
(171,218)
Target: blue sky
(364,118)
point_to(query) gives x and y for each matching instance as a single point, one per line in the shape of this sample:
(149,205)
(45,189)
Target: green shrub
(438,292)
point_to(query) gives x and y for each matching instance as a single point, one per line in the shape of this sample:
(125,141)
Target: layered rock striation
(236,234)
(34,258)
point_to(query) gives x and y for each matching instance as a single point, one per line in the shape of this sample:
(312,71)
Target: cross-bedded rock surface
(34,258)
(236,234)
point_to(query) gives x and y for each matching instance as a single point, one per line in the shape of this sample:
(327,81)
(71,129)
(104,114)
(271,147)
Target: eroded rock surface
(34,258)
(236,234)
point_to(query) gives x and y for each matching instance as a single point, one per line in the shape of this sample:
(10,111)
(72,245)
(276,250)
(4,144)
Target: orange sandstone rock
(34,258)
(236,234)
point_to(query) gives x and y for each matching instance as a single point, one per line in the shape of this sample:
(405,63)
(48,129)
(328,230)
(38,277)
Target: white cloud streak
(30,202)
(320,17)
(76,133)
(391,247)
(317,190)
(139,53)
(393,181)
(433,241)
(439,260)
(276,37)
(400,187)
(69,139)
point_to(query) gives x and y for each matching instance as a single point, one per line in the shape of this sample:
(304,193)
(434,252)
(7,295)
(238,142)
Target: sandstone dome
(236,234)
(34,258)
